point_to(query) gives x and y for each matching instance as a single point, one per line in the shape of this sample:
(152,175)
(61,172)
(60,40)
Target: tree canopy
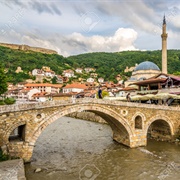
(3,82)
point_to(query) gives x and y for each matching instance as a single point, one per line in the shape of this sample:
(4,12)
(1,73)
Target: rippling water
(72,149)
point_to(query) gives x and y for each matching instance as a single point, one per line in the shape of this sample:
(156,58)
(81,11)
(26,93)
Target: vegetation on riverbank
(7,101)
(3,157)
(3,80)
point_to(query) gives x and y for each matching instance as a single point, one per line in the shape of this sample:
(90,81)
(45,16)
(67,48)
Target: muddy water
(71,149)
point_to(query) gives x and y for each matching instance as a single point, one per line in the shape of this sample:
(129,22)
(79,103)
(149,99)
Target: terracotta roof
(148,81)
(68,71)
(57,85)
(167,75)
(175,77)
(78,86)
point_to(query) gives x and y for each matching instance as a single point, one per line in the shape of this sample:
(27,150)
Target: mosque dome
(147,65)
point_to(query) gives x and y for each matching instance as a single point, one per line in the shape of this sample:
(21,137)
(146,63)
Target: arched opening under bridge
(160,129)
(121,130)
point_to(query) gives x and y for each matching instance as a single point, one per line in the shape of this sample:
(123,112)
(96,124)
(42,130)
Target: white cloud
(123,39)
(76,43)
(63,25)
(17,38)
(175,21)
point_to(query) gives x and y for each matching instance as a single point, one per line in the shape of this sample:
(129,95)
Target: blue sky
(75,26)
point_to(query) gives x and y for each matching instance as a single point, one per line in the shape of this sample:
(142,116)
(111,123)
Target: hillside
(11,59)
(107,65)
(110,64)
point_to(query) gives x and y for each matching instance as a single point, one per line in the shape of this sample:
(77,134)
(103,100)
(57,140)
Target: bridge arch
(122,131)
(161,127)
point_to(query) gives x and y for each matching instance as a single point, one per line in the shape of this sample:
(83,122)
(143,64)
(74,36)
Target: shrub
(3,157)
(9,101)
(2,102)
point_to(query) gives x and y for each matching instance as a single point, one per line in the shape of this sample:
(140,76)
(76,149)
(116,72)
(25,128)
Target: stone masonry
(130,122)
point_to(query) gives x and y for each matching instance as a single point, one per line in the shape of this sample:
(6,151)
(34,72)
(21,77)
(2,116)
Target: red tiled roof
(68,71)
(78,86)
(148,81)
(167,75)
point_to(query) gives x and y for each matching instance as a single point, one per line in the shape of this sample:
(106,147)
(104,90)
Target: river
(73,149)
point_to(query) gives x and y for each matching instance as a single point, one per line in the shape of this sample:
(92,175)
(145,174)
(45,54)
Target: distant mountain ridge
(24,47)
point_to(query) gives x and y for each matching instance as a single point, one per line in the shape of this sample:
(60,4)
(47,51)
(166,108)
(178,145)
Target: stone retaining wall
(12,169)
(89,116)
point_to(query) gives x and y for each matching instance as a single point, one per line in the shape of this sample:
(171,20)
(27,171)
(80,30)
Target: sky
(73,27)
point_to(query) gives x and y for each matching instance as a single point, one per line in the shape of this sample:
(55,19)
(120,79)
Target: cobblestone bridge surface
(21,125)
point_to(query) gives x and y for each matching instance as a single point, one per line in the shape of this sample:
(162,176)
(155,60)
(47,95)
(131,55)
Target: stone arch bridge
(131,123)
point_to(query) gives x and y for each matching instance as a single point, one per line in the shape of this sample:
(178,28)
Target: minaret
(164,47)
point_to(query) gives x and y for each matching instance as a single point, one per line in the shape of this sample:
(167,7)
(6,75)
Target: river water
(73,149)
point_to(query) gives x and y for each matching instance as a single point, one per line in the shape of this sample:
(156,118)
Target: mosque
(147,69)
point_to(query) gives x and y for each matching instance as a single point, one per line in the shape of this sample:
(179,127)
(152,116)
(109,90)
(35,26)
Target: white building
(45,87)
(31,92)
(50,74)
(89,70)
(68,73)
(90,80)
(79,70)
(36,72)
(59,79)
(74,88)
(94,75)
(100,80)
(40,97)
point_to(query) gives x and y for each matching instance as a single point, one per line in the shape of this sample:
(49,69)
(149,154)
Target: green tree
(176,73)
(105,93)
(3,81)
(54,80)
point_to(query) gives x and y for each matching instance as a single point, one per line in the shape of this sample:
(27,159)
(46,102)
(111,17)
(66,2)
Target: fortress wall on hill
(28,48)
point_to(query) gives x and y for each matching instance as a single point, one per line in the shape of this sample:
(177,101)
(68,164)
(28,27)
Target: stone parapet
(42,105)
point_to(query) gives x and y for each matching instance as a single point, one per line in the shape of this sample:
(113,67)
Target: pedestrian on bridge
(128,97)
(100,93)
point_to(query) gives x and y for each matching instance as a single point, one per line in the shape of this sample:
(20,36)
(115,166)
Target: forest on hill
(107,65)
(113,63)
